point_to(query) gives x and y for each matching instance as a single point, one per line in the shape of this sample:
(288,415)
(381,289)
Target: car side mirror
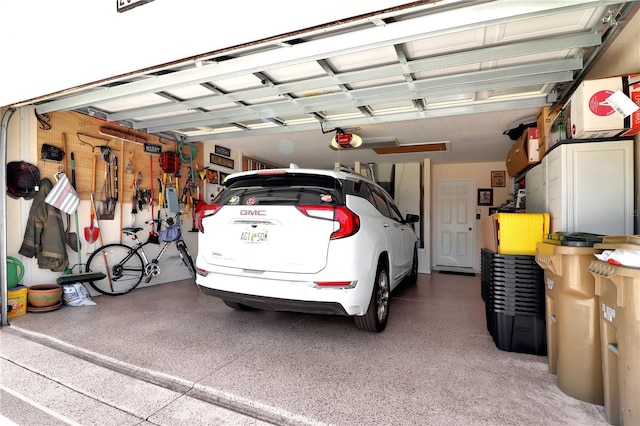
(412,218)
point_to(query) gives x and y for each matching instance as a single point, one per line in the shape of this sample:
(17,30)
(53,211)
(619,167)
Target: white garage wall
(49,46)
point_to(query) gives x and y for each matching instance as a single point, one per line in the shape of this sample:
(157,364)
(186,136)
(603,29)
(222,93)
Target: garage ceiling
(458,72)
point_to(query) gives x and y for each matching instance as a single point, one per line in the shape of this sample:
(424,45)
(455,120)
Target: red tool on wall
(153,236)
(91,232)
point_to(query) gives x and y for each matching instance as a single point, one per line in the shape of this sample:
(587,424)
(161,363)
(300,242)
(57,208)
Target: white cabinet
(585,187)
(536,189)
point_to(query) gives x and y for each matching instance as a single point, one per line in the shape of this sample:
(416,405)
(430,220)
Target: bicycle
(125,266)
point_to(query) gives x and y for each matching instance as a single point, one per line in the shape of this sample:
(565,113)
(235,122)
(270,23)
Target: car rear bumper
(288,293)
(276,304)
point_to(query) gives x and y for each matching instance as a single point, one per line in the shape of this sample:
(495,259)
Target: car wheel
(412,278)
(237,306)
(375,319)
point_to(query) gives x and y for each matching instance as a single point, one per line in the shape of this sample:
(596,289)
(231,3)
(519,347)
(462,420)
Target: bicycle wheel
(186,258)
(122,265)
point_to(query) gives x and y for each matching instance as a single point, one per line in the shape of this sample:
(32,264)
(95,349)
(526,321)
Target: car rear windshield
(285,189)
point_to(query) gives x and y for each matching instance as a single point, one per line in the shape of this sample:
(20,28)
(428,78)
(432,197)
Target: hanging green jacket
(44,235)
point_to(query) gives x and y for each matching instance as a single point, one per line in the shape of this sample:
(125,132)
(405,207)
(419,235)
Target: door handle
(470,229)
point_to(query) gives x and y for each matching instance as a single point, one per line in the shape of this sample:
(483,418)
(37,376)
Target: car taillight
(348,220)
(205,211)
(335,284)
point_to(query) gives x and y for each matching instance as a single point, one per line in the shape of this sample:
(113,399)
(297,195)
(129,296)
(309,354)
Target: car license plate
(254,236)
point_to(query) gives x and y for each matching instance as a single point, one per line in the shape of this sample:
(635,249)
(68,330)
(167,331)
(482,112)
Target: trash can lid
(573,239)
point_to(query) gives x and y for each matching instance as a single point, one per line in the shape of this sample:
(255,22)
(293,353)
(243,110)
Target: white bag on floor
(76,295)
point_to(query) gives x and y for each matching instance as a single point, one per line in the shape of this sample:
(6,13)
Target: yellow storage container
(518,233)
(17,301)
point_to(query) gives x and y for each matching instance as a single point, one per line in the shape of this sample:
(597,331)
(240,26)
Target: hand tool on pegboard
(153,236)
(135,197)
(70,237)
(92,231)
(107,203)
(73,183)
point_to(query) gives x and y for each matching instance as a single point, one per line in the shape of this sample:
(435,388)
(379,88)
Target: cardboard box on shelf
(545,118)
(633,125)
(591,116)
(524,152)
(557,131)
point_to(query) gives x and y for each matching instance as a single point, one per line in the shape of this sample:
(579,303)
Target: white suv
(303,240)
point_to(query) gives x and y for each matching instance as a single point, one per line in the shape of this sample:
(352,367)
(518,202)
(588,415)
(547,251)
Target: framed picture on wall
(212,176)
(485,196)
(498,178)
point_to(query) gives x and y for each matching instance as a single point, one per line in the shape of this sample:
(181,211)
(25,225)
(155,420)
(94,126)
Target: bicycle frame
(134,265)
(139,247)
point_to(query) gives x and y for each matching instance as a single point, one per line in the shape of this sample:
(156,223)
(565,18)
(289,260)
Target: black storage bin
(520,333)
(512,287)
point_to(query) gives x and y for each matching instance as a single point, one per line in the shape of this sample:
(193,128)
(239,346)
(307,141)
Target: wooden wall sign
(221,161)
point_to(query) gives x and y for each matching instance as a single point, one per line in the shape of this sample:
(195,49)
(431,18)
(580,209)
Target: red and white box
(590,116)
(633,124)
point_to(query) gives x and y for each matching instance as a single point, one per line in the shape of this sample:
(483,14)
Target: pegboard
(88,139)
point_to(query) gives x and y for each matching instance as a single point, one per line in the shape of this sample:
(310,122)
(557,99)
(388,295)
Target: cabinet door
(600,187)
(556,171)
(536,189)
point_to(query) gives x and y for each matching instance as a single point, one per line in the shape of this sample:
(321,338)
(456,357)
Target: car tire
(237,306)
(412,278)
(375,319)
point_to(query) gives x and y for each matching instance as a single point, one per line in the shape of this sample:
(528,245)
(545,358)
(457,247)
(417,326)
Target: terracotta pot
(43,295)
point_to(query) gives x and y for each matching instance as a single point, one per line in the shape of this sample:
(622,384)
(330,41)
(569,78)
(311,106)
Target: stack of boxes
(592,112)
(598,109)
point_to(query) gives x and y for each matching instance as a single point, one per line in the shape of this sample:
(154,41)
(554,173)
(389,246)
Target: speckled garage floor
(170,355)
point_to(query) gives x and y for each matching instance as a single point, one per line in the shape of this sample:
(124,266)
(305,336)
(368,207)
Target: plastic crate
(519,333)
(518,233)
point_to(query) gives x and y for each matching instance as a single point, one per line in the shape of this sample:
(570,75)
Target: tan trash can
(573,323)
(618,289)
(553,282)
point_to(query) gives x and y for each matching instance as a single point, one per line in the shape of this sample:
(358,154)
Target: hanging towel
(63,196)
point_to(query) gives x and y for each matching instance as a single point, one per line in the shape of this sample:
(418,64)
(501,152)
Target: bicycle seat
(131,231)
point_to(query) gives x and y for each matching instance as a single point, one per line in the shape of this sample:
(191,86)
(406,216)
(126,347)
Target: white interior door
(455,237)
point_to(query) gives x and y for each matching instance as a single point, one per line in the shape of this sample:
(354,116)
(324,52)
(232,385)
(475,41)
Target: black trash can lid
(574,239)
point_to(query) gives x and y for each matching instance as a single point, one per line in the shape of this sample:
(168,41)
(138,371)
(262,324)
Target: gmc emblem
(252,213)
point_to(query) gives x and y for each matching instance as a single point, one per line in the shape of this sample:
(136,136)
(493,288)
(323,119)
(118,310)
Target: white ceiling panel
(429,66)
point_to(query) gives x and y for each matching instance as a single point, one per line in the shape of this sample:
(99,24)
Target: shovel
(92,232)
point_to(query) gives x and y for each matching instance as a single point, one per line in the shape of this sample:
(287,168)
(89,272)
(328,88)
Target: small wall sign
(221,161)
(221,150)
(124,5)
(152,148)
